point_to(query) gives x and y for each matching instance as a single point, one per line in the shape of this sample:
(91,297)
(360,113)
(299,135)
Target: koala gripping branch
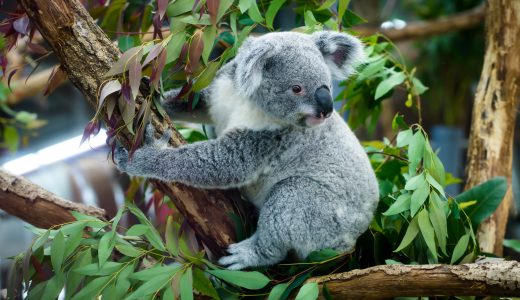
(86,54)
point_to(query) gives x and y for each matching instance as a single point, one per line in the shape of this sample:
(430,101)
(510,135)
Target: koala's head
(289,75)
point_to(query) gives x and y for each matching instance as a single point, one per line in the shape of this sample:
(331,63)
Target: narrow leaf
(427,231)
(308,291)
(109,88)
(57,251)
(250,280)
(409,236)
(460,248)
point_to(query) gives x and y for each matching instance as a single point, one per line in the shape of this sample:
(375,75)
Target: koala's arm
(232,160)
(180,110)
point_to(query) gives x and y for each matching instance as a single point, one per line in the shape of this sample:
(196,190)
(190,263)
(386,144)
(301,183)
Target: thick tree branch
(86,54)
(422,29)
(31,203)
(490,151)
(388,281)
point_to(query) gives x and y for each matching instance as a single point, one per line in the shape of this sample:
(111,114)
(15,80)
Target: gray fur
(308,175)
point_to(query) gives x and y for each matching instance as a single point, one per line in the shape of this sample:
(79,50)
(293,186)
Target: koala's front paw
(121,158)
(242,255)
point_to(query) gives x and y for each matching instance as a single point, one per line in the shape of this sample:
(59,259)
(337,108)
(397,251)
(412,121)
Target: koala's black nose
(324,100)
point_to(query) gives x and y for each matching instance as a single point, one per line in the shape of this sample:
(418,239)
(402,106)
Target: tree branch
(37,206)
(86,54)
(422,29)
(479,279)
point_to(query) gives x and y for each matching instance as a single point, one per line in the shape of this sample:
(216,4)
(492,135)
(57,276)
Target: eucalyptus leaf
(250,280)
(186,285)
(308,291)
(460,248)
(488,195)
(427,231)
(388,84)
(409,236)
(58,251)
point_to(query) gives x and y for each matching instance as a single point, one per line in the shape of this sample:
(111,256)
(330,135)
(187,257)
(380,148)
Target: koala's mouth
(311,120)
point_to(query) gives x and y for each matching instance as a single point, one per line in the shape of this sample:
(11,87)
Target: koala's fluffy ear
(250,61)
(342,52)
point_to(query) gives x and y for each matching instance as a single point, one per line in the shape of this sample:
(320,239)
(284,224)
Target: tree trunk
(500,278)
(490,151)
(86,54)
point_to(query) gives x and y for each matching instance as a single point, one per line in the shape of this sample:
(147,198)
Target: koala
(281,143)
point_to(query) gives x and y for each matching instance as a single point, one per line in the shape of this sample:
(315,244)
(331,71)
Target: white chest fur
(230,110)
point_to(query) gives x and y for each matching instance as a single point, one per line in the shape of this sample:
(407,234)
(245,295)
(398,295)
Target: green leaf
(416,150)
(401,204)
(277,291)
(208,38)
(155,239)
(151,286)
(249,280)
(179,7)
(388,84)
(202,284)
(186,285)
(137,230)
(171,241)
(156,271)
(272,10)
(404,137)
(206,77)
(326,5)
(54,286)
(308,291)
(321,255)
(58,251)
(418,197)
(409,236)
(427,231)
(74,278)
(244,5)
(41,240)
(128,250)
(433,164)
(174,47)
(460,248)
(438,219)
(105,246)
(224,8)
(93,269)
(11,138)
(488,194)
(92,289)
(74,238)
(342,7)
(310,20)
(415,182)
(372,69)
(254,13)
(418,86)
(126,42)
(513,244)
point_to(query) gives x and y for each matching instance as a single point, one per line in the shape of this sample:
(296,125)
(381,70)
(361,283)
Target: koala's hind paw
(121,158)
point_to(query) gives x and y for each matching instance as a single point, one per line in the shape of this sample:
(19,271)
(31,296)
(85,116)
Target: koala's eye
(296,89)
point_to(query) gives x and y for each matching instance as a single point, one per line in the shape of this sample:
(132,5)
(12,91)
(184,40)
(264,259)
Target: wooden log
(501,278)
(37,206)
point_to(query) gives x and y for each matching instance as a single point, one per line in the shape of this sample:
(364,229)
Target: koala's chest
(230,110)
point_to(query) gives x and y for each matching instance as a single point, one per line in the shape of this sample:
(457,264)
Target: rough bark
(422,29)
(478,279)
(31,203)
(490,151)
(86,54)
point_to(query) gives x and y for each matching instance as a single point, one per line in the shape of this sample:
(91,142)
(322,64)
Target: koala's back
(331,156)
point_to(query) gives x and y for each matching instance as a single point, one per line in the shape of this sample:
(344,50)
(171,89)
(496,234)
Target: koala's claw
(121,158)
(149,136)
